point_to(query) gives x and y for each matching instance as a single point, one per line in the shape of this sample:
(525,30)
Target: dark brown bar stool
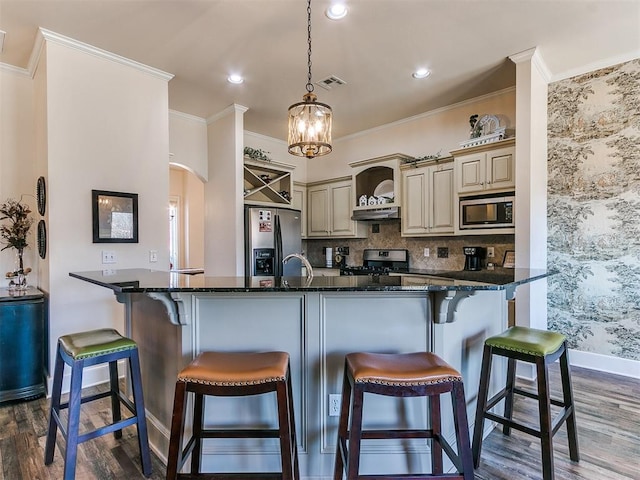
(84,349)
(419,374)
(542,348)
(235,374)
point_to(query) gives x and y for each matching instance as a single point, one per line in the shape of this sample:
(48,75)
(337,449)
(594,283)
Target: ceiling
(375,49)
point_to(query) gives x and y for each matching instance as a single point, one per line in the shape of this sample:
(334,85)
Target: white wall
(17,158)
(188,143)
(278,153)
(437,131)
(107,129)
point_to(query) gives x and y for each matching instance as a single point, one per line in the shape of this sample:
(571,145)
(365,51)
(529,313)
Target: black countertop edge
(30,293)
(147,281)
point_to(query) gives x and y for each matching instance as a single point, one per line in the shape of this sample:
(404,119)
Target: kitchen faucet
(303,259)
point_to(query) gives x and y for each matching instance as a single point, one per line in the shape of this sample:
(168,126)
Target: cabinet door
(318,210)
(299,202)
(471,173)
(500,169)
(413,212)
(340,215)
(441,199)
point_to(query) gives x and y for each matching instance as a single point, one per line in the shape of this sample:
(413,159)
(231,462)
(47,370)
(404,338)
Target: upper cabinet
(428,198)
(267,183)
(485,169)
(329,211)
(299,202)
(377,182)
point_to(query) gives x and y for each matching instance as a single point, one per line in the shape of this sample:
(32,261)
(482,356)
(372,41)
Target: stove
(379,262)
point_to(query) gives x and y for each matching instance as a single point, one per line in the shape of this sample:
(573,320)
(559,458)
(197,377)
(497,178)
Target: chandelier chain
(309,84)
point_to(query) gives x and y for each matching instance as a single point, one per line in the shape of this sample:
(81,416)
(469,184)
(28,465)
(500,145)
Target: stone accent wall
(594,210)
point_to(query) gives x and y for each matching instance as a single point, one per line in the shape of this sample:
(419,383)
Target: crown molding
(533,55)
(430,113)
(600,64)
(5,67)
(264,137)
(45,35)
(233,108)
(186,116)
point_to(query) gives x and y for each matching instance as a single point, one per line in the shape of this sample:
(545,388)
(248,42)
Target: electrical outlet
(334,404)
(108,256)
(426,252)
(443,252)
(153,256)
(490,252)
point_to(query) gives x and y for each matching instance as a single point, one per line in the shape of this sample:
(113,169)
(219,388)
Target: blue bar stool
(80,350)
(541,348)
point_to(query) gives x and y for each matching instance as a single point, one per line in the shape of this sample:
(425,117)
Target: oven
(379,262)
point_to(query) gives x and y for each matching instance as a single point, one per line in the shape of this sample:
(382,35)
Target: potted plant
(13,234)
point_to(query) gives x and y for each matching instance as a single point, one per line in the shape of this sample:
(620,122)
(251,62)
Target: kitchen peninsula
(317,320)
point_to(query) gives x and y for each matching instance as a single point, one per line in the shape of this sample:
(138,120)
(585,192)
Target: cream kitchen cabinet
(428,199)
(299,202)
(329,211)
(486,168)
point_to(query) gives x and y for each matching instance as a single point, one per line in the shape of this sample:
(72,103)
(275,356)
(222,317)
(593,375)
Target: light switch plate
(108,256)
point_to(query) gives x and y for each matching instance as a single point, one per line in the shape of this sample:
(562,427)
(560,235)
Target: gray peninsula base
(317,328)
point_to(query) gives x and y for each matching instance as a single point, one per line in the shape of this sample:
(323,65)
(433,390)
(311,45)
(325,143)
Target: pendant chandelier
(309,120)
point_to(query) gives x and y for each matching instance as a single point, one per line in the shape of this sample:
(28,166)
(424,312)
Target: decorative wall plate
(41,196)
(42,239)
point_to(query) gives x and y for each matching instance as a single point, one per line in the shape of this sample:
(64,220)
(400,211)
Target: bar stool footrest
(230,476)
(240,433)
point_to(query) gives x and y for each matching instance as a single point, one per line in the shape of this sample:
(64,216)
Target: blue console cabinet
(23,344)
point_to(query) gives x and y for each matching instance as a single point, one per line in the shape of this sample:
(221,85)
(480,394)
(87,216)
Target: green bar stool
(80,350)
(541,348)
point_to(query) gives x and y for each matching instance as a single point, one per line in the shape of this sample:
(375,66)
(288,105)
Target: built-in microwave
(487,212)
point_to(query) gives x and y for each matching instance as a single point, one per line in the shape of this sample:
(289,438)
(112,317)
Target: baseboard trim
(605,363)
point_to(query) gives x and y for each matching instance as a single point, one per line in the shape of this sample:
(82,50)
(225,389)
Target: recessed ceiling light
(421,73)
(235,78)
(336,11)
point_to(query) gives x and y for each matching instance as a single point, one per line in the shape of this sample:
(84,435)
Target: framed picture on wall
(115,217)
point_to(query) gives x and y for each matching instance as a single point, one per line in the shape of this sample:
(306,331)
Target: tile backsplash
(389,237)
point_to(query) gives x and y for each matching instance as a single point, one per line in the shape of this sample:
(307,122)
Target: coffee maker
(473,258)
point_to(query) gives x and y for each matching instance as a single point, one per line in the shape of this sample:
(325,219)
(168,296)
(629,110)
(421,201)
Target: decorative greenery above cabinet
(267,183)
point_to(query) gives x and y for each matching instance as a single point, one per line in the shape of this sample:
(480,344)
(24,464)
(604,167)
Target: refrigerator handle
(278,267)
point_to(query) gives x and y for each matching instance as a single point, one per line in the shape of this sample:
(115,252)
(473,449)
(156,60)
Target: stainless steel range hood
(377,214)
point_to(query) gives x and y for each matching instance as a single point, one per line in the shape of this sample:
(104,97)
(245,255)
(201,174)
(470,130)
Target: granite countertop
(142,280)
(31,293)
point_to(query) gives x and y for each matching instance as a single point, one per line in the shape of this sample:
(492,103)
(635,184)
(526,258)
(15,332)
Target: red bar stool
(235,374)
(541,348)
(419,374)
(80,350)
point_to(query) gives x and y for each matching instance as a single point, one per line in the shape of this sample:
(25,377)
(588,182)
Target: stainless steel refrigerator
(270,235)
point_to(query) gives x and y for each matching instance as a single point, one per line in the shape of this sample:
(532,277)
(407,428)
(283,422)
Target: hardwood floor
(608,416)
